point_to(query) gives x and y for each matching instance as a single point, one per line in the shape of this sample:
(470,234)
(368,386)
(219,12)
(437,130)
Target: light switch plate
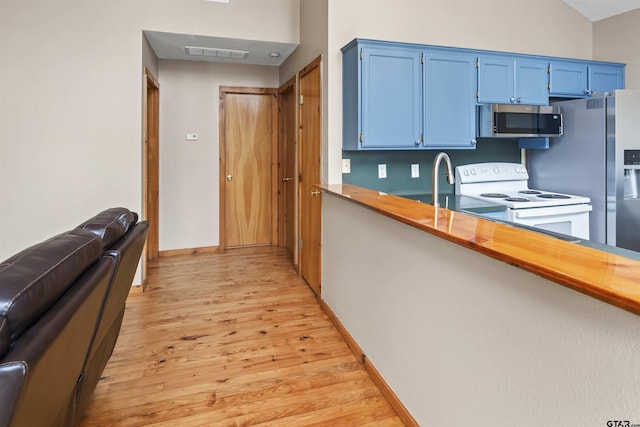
(382,170)
(415,170)
(192,137)
(346,165)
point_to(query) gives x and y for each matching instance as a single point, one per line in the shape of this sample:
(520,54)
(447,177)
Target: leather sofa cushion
(32,280)
(110,225)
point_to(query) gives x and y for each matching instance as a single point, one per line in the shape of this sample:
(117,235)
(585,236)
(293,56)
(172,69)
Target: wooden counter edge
(631,303)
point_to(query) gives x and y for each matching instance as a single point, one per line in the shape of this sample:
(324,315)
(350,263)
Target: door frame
(223,91)
(151,168)
(291,84)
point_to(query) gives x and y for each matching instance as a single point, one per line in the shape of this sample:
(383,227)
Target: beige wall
(71,79)
(616,39)
(505,25)
(149,58)
(485,345)
(313,43)
(313,38)
(70,100)
(189,170)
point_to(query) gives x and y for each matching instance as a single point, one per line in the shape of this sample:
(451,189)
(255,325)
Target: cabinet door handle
(417,142)
(513,100)
(286,179)
(229,177)
(315,193)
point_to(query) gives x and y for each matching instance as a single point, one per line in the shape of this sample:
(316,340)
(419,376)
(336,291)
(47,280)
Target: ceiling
(596,10)
(172,46)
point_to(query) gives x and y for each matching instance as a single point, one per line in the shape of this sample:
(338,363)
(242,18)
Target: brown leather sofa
(62,302)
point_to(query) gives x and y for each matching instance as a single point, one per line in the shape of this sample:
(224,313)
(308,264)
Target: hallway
(232,339)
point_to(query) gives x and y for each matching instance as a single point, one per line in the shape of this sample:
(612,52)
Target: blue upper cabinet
(403,96)
(532,82)
(505,80)
(449,94)
(605,78)
(568,79)
(382,95)
(495,80)
(579,79)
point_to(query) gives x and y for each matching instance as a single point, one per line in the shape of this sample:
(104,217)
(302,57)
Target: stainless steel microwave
(519,121)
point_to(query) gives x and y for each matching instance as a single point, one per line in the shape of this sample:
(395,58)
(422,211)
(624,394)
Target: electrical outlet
(346,165)
(382,170)
(415,170)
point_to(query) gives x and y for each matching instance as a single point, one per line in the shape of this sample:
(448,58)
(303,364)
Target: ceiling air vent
(216,52)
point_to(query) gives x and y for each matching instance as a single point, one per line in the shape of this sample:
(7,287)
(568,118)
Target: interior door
(310,216)
(247,152)
(287,166)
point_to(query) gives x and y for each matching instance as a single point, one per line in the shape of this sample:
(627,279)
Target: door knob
(315,193)
(229,177)
(286,179)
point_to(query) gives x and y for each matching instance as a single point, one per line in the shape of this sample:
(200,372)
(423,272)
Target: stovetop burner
(554,196)
(506,184)
(530,192)
(494,195)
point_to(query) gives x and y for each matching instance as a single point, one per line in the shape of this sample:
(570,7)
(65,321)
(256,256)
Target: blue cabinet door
(568,79)
(605,78)
(495,79)
(531,82)
(449,100)
(505,80)
(391,98)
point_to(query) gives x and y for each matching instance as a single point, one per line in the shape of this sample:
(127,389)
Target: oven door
(572,220)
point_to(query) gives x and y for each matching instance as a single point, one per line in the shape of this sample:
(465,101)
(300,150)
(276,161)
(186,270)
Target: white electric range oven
(506,184)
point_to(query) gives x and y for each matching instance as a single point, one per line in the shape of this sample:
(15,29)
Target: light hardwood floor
(232,339)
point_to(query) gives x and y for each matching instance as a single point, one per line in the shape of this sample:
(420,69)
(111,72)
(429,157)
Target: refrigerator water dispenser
(631,174)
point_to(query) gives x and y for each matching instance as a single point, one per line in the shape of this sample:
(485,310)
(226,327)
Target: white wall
(484,345)
(506,25)
(189,170)
(70,100)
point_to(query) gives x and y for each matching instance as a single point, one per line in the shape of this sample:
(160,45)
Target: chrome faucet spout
(434,181)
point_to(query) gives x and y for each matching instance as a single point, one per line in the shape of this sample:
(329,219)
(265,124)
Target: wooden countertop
(609,277)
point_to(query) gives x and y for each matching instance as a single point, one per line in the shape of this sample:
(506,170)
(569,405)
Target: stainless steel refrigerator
(598,156)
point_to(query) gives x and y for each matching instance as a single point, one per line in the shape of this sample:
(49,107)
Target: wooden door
(247,179)
(310,216)
(287,165)
(151,168)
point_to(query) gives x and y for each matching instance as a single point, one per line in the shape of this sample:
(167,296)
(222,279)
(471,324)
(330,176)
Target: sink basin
(444,199)
(491,212)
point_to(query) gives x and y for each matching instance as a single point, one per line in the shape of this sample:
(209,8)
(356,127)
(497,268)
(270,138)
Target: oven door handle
(551,210)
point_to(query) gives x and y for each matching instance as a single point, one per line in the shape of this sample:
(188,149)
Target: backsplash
(364,166)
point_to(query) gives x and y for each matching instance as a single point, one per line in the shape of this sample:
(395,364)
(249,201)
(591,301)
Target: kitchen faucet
(450,176)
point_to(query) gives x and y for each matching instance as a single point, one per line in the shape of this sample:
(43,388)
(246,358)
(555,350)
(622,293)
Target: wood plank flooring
(232,339)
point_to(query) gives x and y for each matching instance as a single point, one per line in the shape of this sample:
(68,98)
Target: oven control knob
(473,171)
(496,170)
(466,172)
